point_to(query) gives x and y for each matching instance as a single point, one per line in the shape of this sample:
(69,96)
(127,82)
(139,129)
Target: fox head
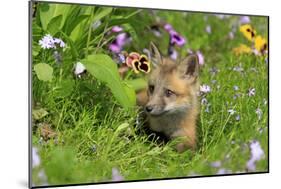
(172,86)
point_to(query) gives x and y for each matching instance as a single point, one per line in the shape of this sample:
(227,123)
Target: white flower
(116,176)
(59,42)
(259,113)
(205,88)
(208,29)
(251,92)
(47,42)
(235,87)
(256,155)
(231,111)
(35,157)
(79,68)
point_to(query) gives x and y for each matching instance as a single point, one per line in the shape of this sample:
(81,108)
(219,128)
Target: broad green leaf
(43,71)
(103,68)
(130,93)
(50,11)
(39,113)
(54,25)
(72,46)
(65,88)
(101,13)
(137,84)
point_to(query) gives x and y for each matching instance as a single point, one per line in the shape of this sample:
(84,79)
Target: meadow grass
(94,135)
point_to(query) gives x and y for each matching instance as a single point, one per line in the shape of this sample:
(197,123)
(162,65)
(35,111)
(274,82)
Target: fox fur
(170,100)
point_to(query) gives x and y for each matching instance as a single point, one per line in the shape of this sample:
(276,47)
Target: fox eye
(151,88)
(168,93)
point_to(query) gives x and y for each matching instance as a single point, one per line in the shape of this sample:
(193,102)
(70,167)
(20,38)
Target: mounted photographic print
(122,94)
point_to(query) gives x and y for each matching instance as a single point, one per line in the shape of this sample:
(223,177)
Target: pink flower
(116,29)
(200,58)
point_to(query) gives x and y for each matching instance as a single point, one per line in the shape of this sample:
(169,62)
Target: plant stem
(89,32)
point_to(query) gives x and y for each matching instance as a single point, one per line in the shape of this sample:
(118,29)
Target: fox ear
(155,55)
(189,67)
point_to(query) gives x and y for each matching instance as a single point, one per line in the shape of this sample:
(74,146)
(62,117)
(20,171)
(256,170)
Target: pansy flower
(260,44)
(132,56)
(242,49)
(139,63)
(248,32)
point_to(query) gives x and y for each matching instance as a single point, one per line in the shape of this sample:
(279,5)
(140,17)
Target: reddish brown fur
(174,115)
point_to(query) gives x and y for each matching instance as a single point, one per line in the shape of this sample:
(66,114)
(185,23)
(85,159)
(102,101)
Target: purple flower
(116,176)
(117,45)
(115,48)
(116,29)
(244,20)
(256,155)
(208,29)
(168,27)
(223,171)
(215,164)
(59,42)
(176,39)
(205,88)
(200,58)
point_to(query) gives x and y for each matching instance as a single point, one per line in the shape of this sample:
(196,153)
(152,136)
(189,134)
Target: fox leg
(188,141)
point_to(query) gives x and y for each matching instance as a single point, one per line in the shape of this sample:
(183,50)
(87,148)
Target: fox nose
(149,108)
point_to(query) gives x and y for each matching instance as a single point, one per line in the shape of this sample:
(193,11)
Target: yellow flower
(260,44)
(248,32)
(242,49)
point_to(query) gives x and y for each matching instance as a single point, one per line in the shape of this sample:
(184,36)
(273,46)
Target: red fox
(170,100)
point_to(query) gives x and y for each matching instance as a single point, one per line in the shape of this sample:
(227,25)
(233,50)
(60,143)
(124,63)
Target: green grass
(95,135)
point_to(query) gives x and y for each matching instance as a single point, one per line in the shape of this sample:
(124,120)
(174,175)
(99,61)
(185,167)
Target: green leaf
(50,11)
(137,84)
(101,13)
(103,68)
(39,113)
(65,88)
(54,25)
(73,49)
(122,127)
(43,71)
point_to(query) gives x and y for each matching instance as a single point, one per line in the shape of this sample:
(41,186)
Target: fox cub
(170,100)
